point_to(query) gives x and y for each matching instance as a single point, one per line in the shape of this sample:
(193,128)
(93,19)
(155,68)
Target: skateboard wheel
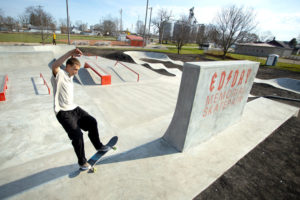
(92,170)
(114,148)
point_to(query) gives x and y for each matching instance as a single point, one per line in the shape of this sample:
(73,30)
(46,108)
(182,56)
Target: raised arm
(61,60)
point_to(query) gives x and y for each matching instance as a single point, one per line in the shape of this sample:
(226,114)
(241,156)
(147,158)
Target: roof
(279,44)
(256,44)
(134,37)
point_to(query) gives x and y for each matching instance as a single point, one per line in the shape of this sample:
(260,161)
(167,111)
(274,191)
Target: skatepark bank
(270,170)
(228,186)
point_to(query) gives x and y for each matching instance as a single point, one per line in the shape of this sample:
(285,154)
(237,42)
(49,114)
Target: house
(122,37)
(264,49)
(279,44)
(38,29)
(75,30)
(135,40)
(206,45)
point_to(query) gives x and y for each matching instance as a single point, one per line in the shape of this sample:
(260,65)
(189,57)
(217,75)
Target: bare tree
(232,24)
(109,27)
(248,38)
(39,18)
(266,36)
(139,27)
(293,43)
(208,34)
(163,16)
(99,29)
(81,26)
(23,20)
(181,32)
(63,25)
(201,36)
(9,22)
(1,16)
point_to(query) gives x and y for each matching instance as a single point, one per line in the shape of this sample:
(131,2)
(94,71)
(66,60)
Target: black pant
(75,120)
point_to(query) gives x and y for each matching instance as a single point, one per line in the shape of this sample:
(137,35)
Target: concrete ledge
(212,97)
(153,170)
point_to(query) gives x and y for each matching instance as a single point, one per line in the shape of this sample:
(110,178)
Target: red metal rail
(99,67)
(2,93)
(105,79)
(138,75)
(45,83)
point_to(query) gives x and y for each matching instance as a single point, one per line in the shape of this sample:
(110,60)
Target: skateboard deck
(98,155)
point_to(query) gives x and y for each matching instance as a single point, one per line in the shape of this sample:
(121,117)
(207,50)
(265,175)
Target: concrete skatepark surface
(289,84)
(144,167)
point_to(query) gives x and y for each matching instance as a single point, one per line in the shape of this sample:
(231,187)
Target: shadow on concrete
(37,89)
(289,83)
(155,148)
(50,63)
(84,78)
(159,71)
(158,147)
(117,74)
(21,185)
(34,86)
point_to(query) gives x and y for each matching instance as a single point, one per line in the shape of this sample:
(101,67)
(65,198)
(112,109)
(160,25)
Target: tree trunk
(178,49)
(224,54)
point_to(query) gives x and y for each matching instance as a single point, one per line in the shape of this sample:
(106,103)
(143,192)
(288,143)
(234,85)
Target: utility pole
(68,23)
(150,19)
(145,24)
(121,26)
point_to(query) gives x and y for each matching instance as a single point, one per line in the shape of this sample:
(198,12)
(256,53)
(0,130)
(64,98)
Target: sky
(280,17)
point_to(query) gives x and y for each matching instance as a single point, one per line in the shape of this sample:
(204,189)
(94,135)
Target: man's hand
(77,53)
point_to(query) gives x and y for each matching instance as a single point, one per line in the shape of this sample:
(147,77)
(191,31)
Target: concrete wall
(212,97)
(57,50)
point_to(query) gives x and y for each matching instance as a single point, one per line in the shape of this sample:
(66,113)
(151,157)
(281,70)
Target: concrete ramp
(30,129)
(25,61)
(288,84)
(57,50)
(28,57)
(138,57)
(37,160)
(121,72)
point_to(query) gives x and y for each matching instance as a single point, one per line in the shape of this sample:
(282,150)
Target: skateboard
(98,155)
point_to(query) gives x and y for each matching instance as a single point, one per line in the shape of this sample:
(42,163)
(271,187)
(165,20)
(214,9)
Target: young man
(69,115)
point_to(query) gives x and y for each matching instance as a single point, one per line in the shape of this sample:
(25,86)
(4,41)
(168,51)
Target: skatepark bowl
(139,106)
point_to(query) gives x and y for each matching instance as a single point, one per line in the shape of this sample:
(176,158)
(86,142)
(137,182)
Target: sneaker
(85,166)
(104,148)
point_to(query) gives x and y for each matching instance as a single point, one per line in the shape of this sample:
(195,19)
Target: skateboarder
(70,116)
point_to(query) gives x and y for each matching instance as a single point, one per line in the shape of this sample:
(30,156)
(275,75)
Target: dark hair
(73,61)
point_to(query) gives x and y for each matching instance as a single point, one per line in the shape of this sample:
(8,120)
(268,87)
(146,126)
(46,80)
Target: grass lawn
(184,50)
(279,65)
(37,38)
(171,48)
